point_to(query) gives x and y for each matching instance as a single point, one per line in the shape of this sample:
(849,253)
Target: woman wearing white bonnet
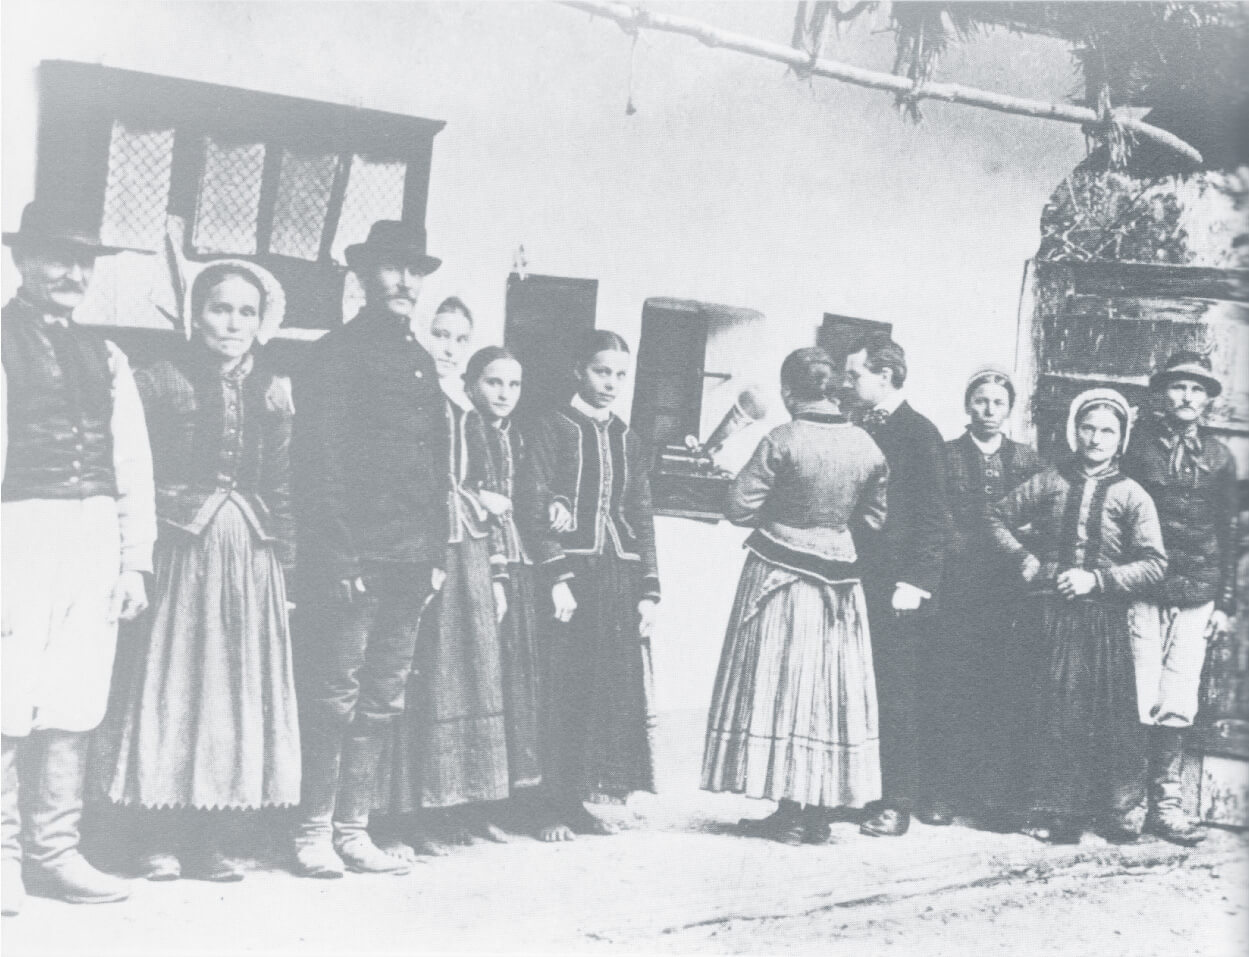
(1095,542)
(203,716)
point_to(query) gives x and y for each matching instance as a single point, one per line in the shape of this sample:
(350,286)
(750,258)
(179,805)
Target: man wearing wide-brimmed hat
(78,527)
(371,443)
(1192,478)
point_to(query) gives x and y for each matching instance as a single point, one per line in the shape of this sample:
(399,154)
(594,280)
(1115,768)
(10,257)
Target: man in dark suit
(901,568)
(372,446)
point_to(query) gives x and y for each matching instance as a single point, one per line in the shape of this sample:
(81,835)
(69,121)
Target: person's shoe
(887,822)
(1176,828)
(816,832)
(785,814)
(936,815)
(794,833)
(209,864)
(12,890)
(998,821)
(1053,833)
(361,855)
(158,866)
(316,858)
(72,879)
(1117,834)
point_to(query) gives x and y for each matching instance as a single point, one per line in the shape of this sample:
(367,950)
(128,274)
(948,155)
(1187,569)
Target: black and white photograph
(624,477)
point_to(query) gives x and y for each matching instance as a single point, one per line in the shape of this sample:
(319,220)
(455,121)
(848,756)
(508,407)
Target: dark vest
(60,405)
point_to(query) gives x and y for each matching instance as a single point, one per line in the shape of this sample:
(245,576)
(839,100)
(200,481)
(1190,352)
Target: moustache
(69,287)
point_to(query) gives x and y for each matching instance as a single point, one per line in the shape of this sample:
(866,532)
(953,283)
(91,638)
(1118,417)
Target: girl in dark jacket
(507,489)
(203,715)
(598,556)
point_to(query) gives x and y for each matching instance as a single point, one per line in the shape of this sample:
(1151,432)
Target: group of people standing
(919,625)
(472,607)
(940,628)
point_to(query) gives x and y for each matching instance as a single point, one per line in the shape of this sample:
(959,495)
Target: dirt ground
(677,882)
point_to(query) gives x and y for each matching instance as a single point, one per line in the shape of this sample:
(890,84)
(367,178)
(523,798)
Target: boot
(12,891)
(313,846)
(54,867)
(1166,813)
(362,753)
(203,857)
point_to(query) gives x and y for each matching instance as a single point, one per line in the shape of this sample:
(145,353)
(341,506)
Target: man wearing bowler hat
(371,440)
(1192,478)
(78,528)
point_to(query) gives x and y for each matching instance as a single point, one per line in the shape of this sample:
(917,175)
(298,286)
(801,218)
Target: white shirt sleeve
(132,468)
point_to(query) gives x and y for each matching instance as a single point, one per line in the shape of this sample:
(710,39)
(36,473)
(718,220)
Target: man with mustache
(371,441)
(79,523)
(1191,476)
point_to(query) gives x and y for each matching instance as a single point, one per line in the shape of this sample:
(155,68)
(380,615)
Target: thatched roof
(1185,62)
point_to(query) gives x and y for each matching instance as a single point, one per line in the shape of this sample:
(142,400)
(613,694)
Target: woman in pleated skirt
(203,715)
(793,715)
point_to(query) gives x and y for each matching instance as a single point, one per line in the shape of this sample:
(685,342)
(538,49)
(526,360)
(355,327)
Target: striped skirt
(793,714)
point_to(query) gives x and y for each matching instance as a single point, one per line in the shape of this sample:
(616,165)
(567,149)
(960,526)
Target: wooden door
(1114,324)
(547,317)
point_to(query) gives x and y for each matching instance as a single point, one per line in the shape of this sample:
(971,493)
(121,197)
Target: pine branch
(636,18)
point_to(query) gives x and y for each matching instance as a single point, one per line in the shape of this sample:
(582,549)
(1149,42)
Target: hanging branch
(635,18)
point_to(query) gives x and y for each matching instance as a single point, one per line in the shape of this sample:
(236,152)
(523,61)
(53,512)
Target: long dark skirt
(597,691)
(1088,750)
(203,711)
(518,639)
(977,708)
(450,744)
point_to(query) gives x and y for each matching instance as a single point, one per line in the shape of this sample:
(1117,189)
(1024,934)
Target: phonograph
(686,480)
(680,389)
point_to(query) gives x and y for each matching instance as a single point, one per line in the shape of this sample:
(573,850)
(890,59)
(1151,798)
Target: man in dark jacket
(371,440)
(901,568)
(1192,478)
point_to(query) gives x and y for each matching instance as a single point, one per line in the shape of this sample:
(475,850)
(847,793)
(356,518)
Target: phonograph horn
(748,408)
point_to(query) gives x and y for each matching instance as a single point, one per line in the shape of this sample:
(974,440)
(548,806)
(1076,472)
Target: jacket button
(418,374)
(75,464)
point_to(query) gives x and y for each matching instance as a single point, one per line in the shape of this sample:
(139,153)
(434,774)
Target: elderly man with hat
(1192,478)
(371,443)
(78,528)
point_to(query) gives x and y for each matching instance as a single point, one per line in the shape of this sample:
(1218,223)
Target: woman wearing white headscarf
(1095,542)
(203,715)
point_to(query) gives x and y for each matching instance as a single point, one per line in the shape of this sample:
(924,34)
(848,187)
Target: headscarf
(1108,398)
(992,375)
(275,297)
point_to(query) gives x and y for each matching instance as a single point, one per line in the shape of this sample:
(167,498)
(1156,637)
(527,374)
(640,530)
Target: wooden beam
(632,19)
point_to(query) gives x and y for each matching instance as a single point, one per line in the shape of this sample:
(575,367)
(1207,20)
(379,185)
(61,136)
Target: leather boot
(54,867)
(313,845)
(1166,812)
(362,753)
(12,891)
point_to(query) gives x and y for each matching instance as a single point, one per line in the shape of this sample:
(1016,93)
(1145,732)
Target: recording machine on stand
(689,357)
(687,480)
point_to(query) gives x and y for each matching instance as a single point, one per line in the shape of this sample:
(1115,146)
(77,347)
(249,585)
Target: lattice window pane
(136,192)
(374,191)
(303,200)
(228,207)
